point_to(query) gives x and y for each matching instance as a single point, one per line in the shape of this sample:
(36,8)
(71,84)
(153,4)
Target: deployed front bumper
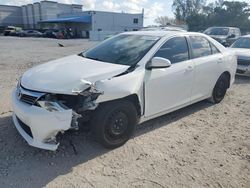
(37,125)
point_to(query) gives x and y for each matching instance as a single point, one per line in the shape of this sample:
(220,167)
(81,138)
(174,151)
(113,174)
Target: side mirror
(157,63)
(231,36)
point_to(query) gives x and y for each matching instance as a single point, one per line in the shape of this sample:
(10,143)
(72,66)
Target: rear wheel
(220,89)
(114,122)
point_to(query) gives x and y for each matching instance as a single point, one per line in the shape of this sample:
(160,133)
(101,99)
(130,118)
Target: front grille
(28,99)
(28,96)
(25,127)
(243,62)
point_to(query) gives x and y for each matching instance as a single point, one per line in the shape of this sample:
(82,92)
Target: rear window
(243,42)
(214,49)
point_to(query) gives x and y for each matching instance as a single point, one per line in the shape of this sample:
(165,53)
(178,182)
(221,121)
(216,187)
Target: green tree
(164,20)
(199,16)
(185,8)
(234,14)
(196,22)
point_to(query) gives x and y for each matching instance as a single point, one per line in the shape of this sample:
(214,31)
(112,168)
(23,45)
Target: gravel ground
(203,145)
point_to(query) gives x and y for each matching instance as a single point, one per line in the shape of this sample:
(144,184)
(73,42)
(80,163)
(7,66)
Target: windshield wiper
(81,54)
(130,69)
(93,58)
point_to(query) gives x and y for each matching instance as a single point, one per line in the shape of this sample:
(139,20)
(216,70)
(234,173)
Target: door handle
(189,68)
(220,60)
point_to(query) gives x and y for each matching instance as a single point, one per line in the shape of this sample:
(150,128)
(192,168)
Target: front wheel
(113,123)
(220,89)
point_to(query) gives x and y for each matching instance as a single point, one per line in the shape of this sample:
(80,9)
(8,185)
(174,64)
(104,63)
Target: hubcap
(116,126)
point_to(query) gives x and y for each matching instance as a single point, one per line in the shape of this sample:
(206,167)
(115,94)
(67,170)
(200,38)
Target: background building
(10,15)
(95,25)
(32,14)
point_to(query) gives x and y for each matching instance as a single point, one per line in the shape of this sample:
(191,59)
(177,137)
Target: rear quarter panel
(230,64)
(229,60)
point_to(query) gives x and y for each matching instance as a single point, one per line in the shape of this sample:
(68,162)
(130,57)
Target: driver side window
(175,50)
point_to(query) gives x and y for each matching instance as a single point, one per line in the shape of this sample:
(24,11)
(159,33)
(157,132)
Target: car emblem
(19,93)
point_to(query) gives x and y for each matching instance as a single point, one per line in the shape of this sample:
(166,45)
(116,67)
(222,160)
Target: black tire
(113,123)
(220,89)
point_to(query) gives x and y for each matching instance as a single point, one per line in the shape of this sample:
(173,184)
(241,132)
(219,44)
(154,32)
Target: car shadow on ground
(171,117)
(20,162)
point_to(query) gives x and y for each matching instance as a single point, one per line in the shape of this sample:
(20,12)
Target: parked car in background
(225,35)
(51,33)
(12,31)
(242,49)
(57,33)
(30,33)
(132,77)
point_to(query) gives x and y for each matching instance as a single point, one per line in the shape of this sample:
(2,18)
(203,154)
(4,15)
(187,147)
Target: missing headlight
(50,106)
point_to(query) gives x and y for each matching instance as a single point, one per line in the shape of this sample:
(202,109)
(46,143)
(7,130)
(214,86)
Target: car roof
(224,27)
(157,33)
(168,28)
(161,33)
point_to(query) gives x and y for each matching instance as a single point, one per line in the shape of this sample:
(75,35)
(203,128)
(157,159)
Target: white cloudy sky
(153,8)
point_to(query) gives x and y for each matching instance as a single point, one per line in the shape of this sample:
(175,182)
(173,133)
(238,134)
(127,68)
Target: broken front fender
(121,86)
(39,126)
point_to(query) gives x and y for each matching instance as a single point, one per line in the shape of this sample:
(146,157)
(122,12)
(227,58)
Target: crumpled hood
(69,74)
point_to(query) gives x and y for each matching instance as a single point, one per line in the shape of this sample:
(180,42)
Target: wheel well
(228,75)
(133,99)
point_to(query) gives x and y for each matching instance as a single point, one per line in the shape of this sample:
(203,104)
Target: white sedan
(242,49)
(127,79)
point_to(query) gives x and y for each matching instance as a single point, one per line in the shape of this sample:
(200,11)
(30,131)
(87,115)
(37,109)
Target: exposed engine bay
(81,104)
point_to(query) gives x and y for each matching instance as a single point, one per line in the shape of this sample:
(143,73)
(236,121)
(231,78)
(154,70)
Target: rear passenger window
(200,46)
(175,50)
(214,49)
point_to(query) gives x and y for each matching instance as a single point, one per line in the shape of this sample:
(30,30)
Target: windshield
(243,42)
(217,31)
(122,49)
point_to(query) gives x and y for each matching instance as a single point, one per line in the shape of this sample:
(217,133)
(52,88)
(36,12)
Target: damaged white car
(125,80)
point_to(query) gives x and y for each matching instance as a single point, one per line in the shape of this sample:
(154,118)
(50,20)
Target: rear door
(206,58)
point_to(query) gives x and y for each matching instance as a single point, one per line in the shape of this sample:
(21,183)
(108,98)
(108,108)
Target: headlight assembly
(50,106)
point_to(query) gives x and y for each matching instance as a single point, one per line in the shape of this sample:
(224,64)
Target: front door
(169,88)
